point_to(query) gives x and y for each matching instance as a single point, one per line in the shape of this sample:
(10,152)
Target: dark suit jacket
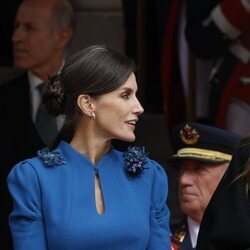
(226,221)
(19,139)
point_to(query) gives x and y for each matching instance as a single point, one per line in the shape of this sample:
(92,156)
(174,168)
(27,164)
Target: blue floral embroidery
(50,158)
(135,159)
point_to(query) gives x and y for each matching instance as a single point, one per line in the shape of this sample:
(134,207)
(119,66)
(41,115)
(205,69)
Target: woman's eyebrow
(127,89)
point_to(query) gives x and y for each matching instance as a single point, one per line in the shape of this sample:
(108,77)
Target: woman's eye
(125,95)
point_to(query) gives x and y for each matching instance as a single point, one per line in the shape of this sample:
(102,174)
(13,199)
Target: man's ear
(64,35)
(84,103)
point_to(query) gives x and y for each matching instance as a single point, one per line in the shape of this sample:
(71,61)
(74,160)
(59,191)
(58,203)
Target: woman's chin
(128,138)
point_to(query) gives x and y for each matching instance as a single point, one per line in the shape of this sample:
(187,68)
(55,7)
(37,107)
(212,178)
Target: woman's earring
(92,115)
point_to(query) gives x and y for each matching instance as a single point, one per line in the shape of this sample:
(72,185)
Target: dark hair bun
(54,97)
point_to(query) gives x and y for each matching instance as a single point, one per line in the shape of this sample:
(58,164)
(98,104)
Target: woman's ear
(85,105)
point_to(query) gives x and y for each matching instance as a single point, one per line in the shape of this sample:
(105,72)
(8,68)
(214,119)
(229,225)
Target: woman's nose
(138,108)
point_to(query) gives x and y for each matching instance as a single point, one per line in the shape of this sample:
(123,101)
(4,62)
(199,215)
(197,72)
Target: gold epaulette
(179,235)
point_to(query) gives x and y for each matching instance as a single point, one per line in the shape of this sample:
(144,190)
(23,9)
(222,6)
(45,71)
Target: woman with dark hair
(226,222)
(85,194)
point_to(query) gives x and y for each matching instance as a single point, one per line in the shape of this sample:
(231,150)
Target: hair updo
(95,70)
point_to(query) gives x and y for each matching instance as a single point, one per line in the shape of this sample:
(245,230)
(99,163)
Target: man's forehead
(27,11)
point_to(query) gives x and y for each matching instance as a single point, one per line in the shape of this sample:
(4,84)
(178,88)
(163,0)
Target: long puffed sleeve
(26,220)
(159,213)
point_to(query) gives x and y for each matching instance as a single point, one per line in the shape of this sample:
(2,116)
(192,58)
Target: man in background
(203,154)
(219,30)
(42,34)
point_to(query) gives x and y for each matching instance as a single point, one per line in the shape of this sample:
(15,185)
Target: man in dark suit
(226,222)
(202,155)
(42,33)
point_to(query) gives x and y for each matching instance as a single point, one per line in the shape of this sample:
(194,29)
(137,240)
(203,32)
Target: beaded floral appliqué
(135,160)
(50,158)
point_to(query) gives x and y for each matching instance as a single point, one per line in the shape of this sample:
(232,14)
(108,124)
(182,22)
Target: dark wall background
(7,10)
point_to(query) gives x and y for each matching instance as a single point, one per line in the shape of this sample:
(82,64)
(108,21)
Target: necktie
(45,123)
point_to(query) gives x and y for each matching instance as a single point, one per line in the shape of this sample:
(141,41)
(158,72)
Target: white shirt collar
(34,81)
(193,228)
(35,96)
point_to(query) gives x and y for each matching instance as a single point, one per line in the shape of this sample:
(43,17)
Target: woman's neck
(90,147)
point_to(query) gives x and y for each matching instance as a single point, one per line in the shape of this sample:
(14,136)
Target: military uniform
(201,143)
(181,239)
(226,221)
(214,31)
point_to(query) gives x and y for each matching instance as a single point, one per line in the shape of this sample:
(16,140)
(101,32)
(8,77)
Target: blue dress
(54,206)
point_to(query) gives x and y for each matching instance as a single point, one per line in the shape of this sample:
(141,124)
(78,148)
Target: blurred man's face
(197,183)
(35,44)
